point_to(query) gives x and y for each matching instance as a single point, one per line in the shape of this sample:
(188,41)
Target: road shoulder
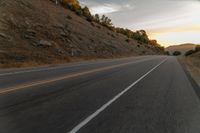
(192,71)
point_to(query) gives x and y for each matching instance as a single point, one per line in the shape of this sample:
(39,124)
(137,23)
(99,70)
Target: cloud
(154,16)
(107,6)
(104,9)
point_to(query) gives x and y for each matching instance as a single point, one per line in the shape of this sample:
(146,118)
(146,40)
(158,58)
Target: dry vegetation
(183,48)
(192,63)
(37,32)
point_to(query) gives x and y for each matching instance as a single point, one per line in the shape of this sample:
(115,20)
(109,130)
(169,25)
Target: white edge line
(102,108)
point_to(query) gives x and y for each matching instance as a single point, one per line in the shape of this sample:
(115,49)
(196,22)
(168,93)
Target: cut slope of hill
(183,48)
(193,64)
(35,32)
(196,55)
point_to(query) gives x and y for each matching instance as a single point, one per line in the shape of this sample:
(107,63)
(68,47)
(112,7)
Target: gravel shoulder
(193,67)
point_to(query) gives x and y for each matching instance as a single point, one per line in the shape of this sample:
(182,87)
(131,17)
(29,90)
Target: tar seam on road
(102,108)
(37,83)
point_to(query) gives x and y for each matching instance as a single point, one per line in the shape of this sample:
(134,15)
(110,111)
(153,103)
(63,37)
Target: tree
(97,18)
(103,18)
(154,42)
(177,53)
(72,4)
(106,21)
(86,12)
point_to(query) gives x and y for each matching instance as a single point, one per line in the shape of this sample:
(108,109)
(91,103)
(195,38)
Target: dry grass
(193,66)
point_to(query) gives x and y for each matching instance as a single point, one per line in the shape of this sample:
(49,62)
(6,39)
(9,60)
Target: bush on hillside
(106,21)
(167,53)
(197,49)
(97,18)
(71,4)
(79,12)
(86,12)
(177,53)
(190,52)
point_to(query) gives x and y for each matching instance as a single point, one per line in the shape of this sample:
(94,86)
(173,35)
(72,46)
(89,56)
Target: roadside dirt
(193,66)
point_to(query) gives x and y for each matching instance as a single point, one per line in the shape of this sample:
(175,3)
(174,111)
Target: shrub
(89,18)
(197,49)
(79,12)
(69,17)
(189,52)
(106,21)
(177,53)
(128,40)
(92,24)
(97,18)
(167,53)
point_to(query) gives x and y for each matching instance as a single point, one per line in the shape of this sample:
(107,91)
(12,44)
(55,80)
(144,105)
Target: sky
(170,22)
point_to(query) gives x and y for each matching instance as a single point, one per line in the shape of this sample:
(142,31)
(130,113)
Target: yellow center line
(37,83)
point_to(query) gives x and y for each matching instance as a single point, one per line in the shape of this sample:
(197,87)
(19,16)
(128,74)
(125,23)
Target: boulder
(44,43)
(4,36)
(30,34)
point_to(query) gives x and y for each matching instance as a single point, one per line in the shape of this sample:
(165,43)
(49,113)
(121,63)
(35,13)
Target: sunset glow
(170,22)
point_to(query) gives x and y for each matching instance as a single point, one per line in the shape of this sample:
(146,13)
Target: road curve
(129,95)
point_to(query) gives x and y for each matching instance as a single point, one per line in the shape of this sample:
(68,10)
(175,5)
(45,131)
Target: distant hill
(35,32)
(183,48)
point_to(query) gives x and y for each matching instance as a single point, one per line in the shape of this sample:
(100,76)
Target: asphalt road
(130,95)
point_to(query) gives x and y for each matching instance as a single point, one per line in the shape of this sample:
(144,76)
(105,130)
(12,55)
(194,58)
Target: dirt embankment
(36,32)
(193,66)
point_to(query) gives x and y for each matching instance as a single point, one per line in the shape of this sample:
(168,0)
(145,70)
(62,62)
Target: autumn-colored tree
(72,4)
(153,42)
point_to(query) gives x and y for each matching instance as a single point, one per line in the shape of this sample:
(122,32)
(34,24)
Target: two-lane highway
(130,95)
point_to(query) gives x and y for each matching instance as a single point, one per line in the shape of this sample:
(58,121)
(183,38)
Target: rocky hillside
(35,32)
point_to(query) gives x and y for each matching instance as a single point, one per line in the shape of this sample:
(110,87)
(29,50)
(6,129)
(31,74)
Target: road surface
(129,95)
